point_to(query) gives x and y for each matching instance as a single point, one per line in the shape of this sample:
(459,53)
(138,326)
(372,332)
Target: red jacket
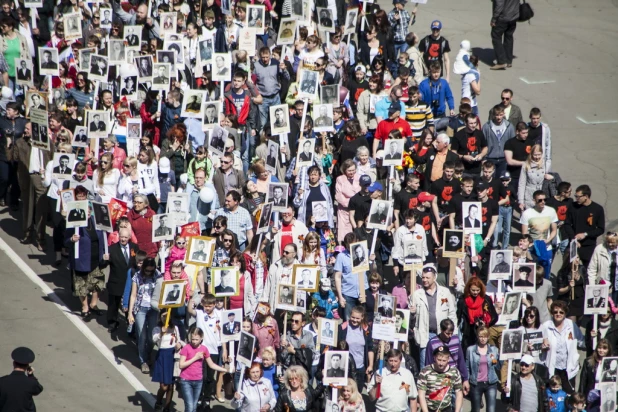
(230,107)
(142,227)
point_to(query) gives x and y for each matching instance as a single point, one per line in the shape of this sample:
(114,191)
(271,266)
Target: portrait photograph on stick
(278,195)
(471,212)
(225,281)
(524,277)
(102,217)
(359,254)
(379,214)
(511,305)
(453,242)
(393,152)
(512,344)
(500,262)
(286,297)
(162,228)
(328,329)
(246,348)
(232,325)
(596,299)
(77,214)
(306,277)
(336,367)
(200,250)
(172,294)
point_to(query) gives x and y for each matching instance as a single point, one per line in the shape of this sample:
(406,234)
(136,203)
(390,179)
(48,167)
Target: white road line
(597,122)
(107,354)
(523,79)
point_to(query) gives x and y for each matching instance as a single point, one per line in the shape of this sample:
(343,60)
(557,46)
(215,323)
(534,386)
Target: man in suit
(18,388)
(24,73)
(323,120)
(161,78)
(221,69)
(278,199)
(210,117)
(399,317)
(97,125)
(359,256)
(76,215)
(225,286)
(231,327)
(306,155)
(335,370)
(306,279)
(36,102)
(99,68)
(393,153)
(217,141)
(120,259)
(47,62)
(385,308)
(327,332)
(129,86)
(132,38)
(471,221)
(596,301)
(63,166)
(144,68)
(163,229)
(325,19)
(200,255)
(380,216)
(454,243)
(501,266)
(271,159)
(81,136)
(107,14)
(524,272)
(308,84)
(513,343)
(173,295)
(510,306)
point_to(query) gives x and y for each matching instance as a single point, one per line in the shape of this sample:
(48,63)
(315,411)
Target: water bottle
(130,328)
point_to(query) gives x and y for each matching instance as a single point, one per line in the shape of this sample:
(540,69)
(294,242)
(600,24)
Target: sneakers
(145,368)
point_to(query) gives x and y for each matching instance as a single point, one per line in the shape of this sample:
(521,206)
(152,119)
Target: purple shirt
(483,371)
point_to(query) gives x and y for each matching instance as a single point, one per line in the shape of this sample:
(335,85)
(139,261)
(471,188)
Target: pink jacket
(183,275)
(175,254)
(267,335)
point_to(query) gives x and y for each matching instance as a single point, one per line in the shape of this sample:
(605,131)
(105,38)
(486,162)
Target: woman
(106,178)
(147,141)
(607,328)
(257,264)
(65,80)
(350,399)
(255,393)
(348,140)
(262,177)
(405,233)
(588,375)
(533,173)
(309,55)
(75,116)
(140,216)
(366,106)
(151,116)
(246,298)
(483,370)
(474,310)
(88,279)
(110,145)
(225,248)
(12,46)
(531,323)
(365,164)
(177,148)
(312,254)
(371,47)
(83,92)
(314,191)
(296,394)
(357,333)
(266,329)
(571,284)
(346,187)
(148,169)
(252,198)
(132,184)
(141,312)
(375,289)
(385,34)
(378,68)
(338,57)
(419,150)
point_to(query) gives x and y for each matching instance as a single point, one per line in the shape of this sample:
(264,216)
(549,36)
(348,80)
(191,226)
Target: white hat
(164,165)
(184,178)
(7,93)
(527,359)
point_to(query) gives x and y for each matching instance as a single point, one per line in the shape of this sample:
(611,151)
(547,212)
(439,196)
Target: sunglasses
(558,312)
(296,321)
(506,99)
(104,162)
(181,243)
(227,240)
(525,365)
(218,227)
(225,162)
(531,315)
(124,165)
(285,252)
(541,200)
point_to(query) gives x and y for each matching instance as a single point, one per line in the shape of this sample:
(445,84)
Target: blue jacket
(82,264)
(328,302)
(439,91)
(169,119)
(473,358)
(557,400)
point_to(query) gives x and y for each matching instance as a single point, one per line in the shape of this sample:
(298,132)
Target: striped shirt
(419,117)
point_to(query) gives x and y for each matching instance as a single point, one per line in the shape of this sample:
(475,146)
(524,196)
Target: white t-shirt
(539,224)
(309,58)
(466,88)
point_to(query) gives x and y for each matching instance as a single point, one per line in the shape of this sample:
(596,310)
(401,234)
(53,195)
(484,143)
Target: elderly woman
(533,174)
(132,184)
(141,312)
(106,178)
(255,393)
(296,394)
(315,190)
(475,309)
(365,164)
(565,337)
(346,187)
(140,217)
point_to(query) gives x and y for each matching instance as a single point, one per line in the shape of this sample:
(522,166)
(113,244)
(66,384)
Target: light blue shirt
(383,105)
(349,280)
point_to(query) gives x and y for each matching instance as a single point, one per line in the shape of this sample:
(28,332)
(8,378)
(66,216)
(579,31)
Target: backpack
(525,12)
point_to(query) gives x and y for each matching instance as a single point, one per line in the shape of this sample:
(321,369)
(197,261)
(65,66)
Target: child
(270,368)
(462,63)
(179,314)
(167,182)
(168,342)
(577,402)
(325,298)
(192,359)
(177,252)
(555,395)
(200,161)
(375,288)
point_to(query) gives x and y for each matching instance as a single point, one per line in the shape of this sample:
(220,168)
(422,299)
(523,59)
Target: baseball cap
(505,176)
(164,165)
(393,108)
(375,186)
(365,180)
(441,349)
(527,359)
(325,282)
(229,143)
(480,186)
(426,197)
(436,24)
(360,68)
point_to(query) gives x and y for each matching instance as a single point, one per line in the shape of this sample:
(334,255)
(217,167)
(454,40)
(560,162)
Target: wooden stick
(283,141)
(105,243)
(302,120)
(373,242)
(77,244)
(231,356)
(574,269)
(259,248)
(452,270)
(334,393)
(285,324)
(363,17)
(595,326)
(508,378)
(391,175)
(361,286)
(167,318)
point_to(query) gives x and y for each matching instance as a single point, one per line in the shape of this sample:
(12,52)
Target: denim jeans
(4,179)
(477,391)
(145,322)
(503,227)
(401,48)
(248,148)
(267,102)
(441,123)
(424,351)
(190,393)
(350,302)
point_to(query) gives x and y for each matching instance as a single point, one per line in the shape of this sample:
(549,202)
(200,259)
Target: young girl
(269,367)
(168,340)
(200,161)
(177,252)
(375,288)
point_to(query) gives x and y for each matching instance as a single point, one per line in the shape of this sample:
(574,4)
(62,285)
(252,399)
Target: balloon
(207,195)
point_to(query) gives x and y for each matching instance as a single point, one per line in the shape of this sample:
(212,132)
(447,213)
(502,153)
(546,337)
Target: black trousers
(113,303)
(567,385)
(209,385)
(502,39)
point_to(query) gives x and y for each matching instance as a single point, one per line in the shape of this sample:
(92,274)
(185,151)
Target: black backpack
(525,12)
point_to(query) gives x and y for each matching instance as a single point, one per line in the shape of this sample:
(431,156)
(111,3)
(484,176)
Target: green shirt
(438,386)
(12,52)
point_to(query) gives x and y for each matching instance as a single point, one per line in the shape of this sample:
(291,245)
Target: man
(393,152)
(81,137)
(436,169)
(503,24)
(238,218)
(327,332)
(99,68)
(306,155)
(280,271)
(265,216)
(162,76)
(497,132)
(604,263)
(63,166)
(232,326)
(512,112)
(435,49)
(398,391)
(524,274)
(226,283)
(287,32)
(511,304)
(173,295)
(280,120)
(210,117)
(541,221)
(18,388)
(129,86)
(194,105)
(513,342)
(278,199)
(501,266)
(36,102)
(587,221)
(221,68)
(454,243)
(447,338)
(471,221)
(306,279)
(346,282)
(392,122)
(132,38)
(437,381)
(76,215)
(383,106)
(527,391)
(24,73)
(400,20)
(163,229)
(418,113)
(335,370)
(323,120)
(269,74)
(359,256)
(47,62)
(106,18)
(297,345)
(516,152)
(609,402)
(609,375)
(325,18)
(307,84)
(144,68)
(200,254)
(562,203)
(360,203)
(432,304)
(385,308)
(399,318)
(596,301)
(97,125)
(470,145)
(227,177)
(380,216)
(436,92)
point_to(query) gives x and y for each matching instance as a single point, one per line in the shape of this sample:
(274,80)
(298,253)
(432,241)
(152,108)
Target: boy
(577,402)
(459,170)
(555,395)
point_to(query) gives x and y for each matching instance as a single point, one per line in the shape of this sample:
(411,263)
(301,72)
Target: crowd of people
(282,205)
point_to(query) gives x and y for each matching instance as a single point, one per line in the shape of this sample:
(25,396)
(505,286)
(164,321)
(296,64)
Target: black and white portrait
(225,281)
(102,219)
(308,84)
(328,331)
(245,348)
(80,137)
(320,210)
(279,119)
(232,325)
(161,76)
(272,159)
(379,214)
(306,277)
(402,324)
(325,19)
(524,277)
(512,343)
(72,26)
(218,136)
(255,18)
(286,297)
(67,196)
(453,242)
(167,56)
(359,254)
(301,300)
(98,122)
(323,118)
(385,306)
(162,228)
(608,396)
(335,367)
(200,250)
(206,50)
(23,71)
(116,51)
(105,14)
(192,104)
(63,164)
(596,299)
(144,67)
(99,68)
(608,370)
(84,58)
(177,203)
(128,86)
(393,152)
(48,61)
(172,294)
(36,100)
(306,149)
(78,214)
(168,22)
(176,46)
(471,212)
(287,30)
(510,306)
(500,263)
(221,67)
(297,8)
(350,21)
(329,94)
(412,251)
(264,222)
(211,116)
(134,128)
(133,35)
(572,250)
(278,195)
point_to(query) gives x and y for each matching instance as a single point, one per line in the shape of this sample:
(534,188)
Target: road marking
(597,122)
(523,79)
(81,326)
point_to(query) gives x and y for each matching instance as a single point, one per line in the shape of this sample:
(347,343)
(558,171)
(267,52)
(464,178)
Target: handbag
(152,202)
(525,12)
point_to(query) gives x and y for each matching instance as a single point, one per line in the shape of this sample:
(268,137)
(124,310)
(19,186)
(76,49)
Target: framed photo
(524,277)
(279,119)
(40,129)
(99,68)
(63,164)
(336,367)
(178,203)
(167,56)
(379,214)
(36,100)
(500,263)
(306,277)
(232,325)
(278,195)
(168,22)
(323,118)
(272,160)
(535,339)
(320,210)
(255,18)
(80,137)
(402,324)
(84,58)
(134,128)
(359,254)
(596,299)
(393,152)
(162,229)
(98,122)
(412,253)
(265,214)
(176,46)
(287,31)
(512,344)
(286,297)
(144,68)
(216,143)
(192,103)
(511,305)
(133,35)
(72,26)
(105,12)
(23,71)
(66,197)
(304,157)
(201,250)
(206,48)
(328,332)
(301,300)
(453,241)
(350,21)
(308,84)
(608,372)
(225,281)
(117,53)
(246,348)
(572,250)
(161,76)
(471,213)
(78,213)
(129,86)
(211,118)
(608,395)
(297,9)
(225,7)
(48,61)
(221,67)
(385,306)
(172,294)
(329,94)
(102,217)
(325,19)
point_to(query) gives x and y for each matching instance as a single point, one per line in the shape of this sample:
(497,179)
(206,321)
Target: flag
(117,209)
(190,229)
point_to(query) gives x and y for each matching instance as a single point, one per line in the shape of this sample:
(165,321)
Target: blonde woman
(350,399)
(106,178)
(132,184)
(312,253)
(296,394)
(533,174)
